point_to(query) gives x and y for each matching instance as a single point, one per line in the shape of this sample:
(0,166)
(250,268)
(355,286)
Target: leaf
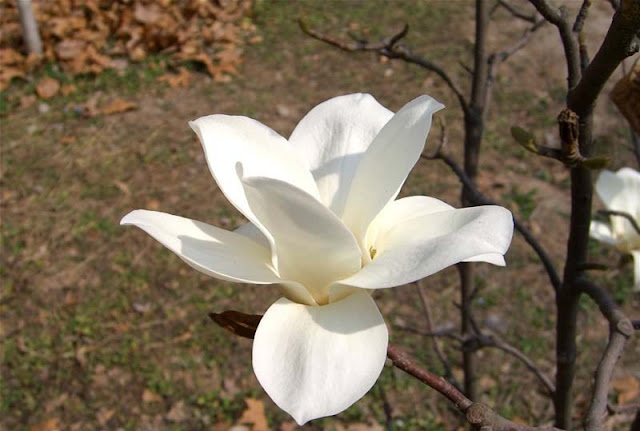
(117,106)
(181,79)
(178,412)
(254,415)
(524,138)
(47,88)
(628,388)
(148,396)
(46,425)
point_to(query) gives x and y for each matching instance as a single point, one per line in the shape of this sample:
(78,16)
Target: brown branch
(491,341)
(558,17)
(479,199)
(448,373)
(390,48)
(582,16)
(516,13)
(618,44)
(620,330)
(478,415)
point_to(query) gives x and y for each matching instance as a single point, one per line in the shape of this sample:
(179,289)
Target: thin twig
(480,199)
(448,373)
(390,48)
(491,341)
(516,13)
(620,330)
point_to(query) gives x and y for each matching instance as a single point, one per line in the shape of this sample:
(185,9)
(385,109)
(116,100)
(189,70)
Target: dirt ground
(103,328)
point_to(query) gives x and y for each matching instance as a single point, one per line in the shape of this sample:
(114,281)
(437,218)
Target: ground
(103,328)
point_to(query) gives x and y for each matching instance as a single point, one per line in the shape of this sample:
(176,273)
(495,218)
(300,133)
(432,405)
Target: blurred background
(103,328)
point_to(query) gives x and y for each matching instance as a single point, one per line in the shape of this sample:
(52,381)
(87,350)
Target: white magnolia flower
(620,191)
(324,225)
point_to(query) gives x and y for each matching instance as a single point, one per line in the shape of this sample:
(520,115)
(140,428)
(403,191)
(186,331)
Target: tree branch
(558,17)
(479,199)
(390,48)
(620,330)
(478,415)
(516,13)
(618,44)
(627,216)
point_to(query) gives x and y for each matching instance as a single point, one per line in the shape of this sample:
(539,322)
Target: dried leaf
(46,425)
(254,415)
(628,388)
(148,396)
(178,412)
(180,79)
(104,415)
(241,324)
(47,88)
(117,106)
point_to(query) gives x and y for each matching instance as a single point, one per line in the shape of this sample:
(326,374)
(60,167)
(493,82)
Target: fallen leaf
(628,388)
(117,106)
(254,415)
(148,396)
(175,80)
(47,88)
(47,425)
(104,415)
(178,413)
(68,89)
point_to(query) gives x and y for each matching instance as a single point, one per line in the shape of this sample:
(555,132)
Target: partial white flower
(325,226)
(620,191)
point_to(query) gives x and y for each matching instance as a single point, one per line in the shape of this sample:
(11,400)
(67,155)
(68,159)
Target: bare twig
(582,16)
(478,415)
(558,17)
(390,48)
(480,199)
(448,374)
(516,13)
(620,330)
(491,341)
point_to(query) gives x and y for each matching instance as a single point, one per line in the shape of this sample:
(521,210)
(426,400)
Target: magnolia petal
(429,243)
(602,232)
(387,163)
(229,140)
(317,361)
(333,137)
(492,258)
(251,231)
(312,245)
(608,186)
(401,211)
(208,249)
(636,270)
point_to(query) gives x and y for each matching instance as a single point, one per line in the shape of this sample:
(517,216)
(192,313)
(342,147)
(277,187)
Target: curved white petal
(332,137)
(318,361)
(401,211)
(210,250)
(602,232)
(228,140)
(387,163)
(636,270)
(424,245)
(312,245)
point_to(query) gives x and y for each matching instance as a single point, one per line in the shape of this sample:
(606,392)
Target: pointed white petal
(333,136)
(312,245)
(636,270)
(387,163)
(228,140)
(212,251)
(602,232)
(427,244)
(318,361)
